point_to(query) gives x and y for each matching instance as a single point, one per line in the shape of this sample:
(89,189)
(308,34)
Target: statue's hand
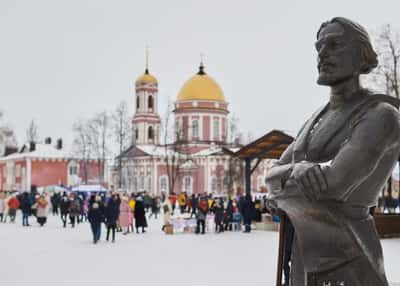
(310,178)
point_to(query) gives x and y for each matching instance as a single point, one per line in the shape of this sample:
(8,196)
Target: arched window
(150,133)
(150,101)
(195,128)
(136,134)
(137,102)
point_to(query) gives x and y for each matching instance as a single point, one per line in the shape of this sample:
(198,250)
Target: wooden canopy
(269,146)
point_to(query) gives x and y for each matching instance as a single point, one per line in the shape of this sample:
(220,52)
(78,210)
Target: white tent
(53,189)
(89,188)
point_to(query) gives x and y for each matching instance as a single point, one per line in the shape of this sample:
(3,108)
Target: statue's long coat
(335,237)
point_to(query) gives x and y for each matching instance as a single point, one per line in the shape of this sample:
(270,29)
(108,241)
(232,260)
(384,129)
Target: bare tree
(386,76)
(122,133)
(233,128)
(32,132)
(99,128)
(174,158)
(81,145)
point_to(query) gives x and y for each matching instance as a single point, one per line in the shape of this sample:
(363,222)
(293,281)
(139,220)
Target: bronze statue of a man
(333,172)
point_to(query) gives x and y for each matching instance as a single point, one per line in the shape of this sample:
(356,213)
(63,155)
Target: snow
(43,151)
(63,257)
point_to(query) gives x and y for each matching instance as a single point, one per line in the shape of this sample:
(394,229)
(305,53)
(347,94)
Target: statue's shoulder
(386,106)
(381,111)
(383,98)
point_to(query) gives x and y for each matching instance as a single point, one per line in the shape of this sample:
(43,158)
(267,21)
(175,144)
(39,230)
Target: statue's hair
(369,59)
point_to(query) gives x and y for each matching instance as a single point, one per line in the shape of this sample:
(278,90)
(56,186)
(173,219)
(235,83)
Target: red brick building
(43,165)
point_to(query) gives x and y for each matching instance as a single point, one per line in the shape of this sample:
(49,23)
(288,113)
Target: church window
(225,182)
(150,101)
(187,184)
(216,128)
(150,132)
(195,128)
(136,134)
(213,184)
(141,183)
(137,102)
(149,188)
(163,183)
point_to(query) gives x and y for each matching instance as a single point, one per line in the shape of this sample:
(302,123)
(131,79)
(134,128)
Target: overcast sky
(64,60)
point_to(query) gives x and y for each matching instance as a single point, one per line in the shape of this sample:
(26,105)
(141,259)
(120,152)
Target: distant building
(43,165)
(200,149)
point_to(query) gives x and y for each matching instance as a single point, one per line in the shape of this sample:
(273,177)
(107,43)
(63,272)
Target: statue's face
(338,55)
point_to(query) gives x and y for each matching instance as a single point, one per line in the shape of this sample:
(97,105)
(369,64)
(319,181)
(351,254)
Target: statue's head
(344,51)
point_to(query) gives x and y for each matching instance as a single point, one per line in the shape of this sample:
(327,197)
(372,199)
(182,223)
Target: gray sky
(62,60)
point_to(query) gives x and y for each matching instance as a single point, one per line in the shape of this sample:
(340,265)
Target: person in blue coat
(96,216)
(111,216)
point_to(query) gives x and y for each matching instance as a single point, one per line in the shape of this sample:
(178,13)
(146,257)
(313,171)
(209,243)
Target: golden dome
(201,87)
(146,78)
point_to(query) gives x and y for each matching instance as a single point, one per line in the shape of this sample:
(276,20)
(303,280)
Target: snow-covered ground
(55,256)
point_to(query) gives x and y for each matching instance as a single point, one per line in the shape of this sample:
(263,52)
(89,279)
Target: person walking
(247,211)
(74,209)
(218,210)
(155,206)
(182,202)
(228,215)
(202,211)
(167,214)
(140,215)
(54,199)
(124,214)
(132,203)
(195,202)
(111,216)
(96,216)
(25,208)
(64,207)
(172,199)
(13,205)
(41,211)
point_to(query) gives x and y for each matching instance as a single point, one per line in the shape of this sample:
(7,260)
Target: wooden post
(248,176)
(281,249)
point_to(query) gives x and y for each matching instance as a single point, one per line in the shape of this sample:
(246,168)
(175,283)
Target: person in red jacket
(172,199)
(13,205)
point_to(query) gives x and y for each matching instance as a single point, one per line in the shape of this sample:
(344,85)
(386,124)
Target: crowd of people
(126,213)
(227,210)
